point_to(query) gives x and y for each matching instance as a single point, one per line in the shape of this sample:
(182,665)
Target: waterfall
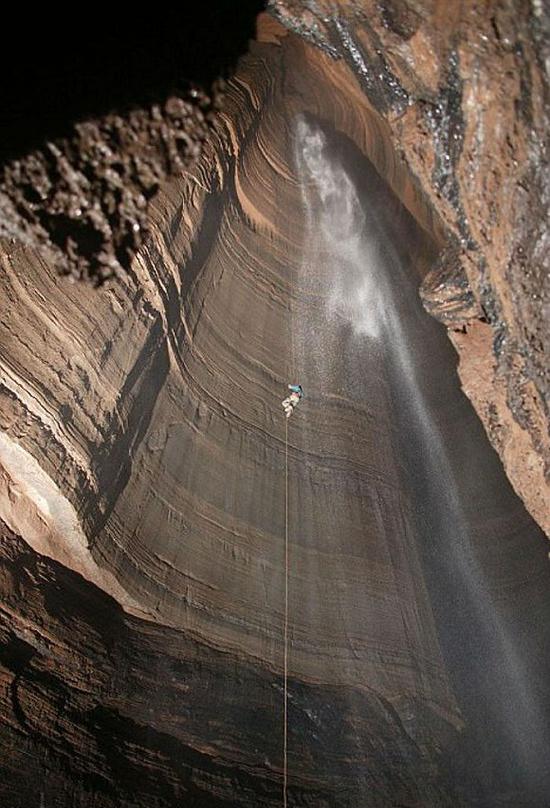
(359,279)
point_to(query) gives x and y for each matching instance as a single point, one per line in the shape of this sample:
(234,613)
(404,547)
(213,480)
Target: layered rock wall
(462,91)
(151,409)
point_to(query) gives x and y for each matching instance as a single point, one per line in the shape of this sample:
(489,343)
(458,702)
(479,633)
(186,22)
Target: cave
(203,602)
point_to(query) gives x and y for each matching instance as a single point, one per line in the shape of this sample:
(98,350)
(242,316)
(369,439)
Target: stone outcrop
(83,199)
(97,116)
(143,465)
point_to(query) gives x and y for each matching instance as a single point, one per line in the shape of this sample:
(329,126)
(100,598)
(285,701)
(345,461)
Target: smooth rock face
(463,92)
(184,434)
(419,589)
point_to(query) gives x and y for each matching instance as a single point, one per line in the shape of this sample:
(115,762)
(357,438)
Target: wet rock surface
(164,684)
(465,93)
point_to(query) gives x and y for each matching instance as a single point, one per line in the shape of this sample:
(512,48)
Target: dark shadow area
(120,712)
(56,71)
(114,457)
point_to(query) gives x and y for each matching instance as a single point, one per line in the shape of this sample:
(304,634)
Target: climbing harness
(291,402)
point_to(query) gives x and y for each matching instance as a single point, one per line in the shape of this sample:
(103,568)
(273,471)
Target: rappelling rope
(285,663)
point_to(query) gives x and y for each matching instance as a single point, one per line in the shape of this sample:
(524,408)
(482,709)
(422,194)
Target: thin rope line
(285,689)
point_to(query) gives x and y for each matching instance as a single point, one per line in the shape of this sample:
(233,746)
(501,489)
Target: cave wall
(180,426)
(463,92)
(463,96)
(131,400)
(176,479)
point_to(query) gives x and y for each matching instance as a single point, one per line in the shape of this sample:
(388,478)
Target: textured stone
(151,672)
(463,91)
(103,710)
(83,199)
(97,115)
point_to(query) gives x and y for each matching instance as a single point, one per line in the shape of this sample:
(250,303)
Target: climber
(292,401)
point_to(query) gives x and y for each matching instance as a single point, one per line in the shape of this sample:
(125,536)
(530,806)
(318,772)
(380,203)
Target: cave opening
(142,491)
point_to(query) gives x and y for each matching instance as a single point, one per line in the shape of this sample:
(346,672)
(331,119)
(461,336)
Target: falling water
(364,287)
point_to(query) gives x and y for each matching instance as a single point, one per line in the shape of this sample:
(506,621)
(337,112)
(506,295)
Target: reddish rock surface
(463,89)
(142,490)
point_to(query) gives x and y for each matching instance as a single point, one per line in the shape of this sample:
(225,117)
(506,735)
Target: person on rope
(292,401)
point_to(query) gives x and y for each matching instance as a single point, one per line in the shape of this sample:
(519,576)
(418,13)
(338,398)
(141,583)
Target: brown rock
(465,96)
(143,455)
